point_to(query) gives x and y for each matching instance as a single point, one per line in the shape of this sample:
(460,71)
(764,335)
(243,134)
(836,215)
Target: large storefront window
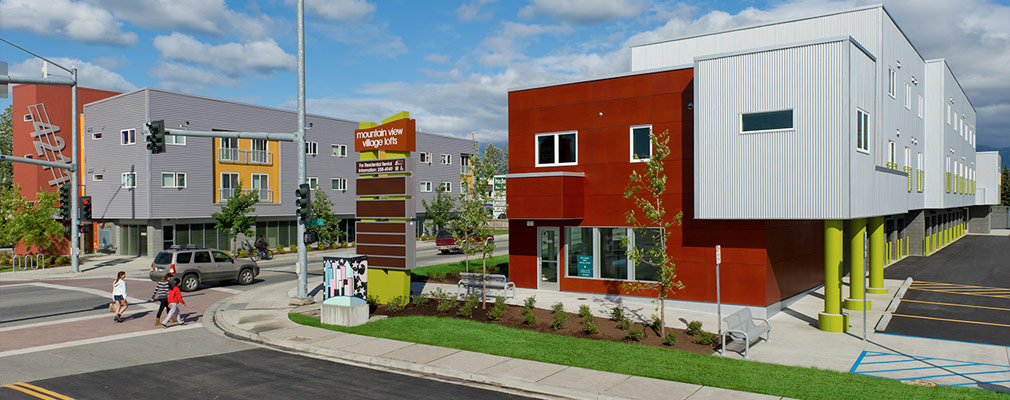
(283,233)
(201,235)
(603,253)
(580,251)
(647,243)
(613,253)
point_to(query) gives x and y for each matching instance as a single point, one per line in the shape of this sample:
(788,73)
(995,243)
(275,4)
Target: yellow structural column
(876,233)
(857,272)
(832,319)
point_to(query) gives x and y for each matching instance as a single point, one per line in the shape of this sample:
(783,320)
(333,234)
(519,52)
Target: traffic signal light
(65,202)
(304,201)
(84,207)
(156,138)
(310,237)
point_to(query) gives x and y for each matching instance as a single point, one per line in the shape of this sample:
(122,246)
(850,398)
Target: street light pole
(302,262)
(75,219)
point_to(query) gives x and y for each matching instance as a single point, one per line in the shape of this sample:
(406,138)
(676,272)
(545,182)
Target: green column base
(868,290)
(856,304)
(388,284)
(833,322)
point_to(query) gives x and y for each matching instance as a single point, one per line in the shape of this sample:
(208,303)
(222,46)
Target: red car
(446,242)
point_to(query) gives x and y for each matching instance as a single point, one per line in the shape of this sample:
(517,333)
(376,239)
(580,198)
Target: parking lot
(960,293)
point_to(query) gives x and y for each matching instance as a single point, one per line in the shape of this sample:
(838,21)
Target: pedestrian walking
(119,295)
(174,298)
(161,294)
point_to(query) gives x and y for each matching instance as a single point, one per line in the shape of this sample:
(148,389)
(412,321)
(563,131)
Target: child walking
(161,293)
(174,298)
(119,295)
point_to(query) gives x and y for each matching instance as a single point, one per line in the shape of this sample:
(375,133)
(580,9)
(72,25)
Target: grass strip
(647,361)
(475,266)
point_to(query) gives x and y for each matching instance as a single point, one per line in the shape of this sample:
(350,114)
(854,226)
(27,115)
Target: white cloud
(507,45)
(338,10)
(257,57)
(88,75)
(78,21)
(374,39)
(212,17)
(584,11)
(472,10)
(186,78)
(437,58)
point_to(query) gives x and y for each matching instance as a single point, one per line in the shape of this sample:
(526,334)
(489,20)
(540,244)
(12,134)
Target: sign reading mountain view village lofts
(397,135)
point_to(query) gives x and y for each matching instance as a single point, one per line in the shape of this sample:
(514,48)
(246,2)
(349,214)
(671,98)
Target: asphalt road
(251,374)
(960,293)
(22,305)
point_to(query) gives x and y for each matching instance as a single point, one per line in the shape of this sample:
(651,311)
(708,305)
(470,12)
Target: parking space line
(956,374)
(954,288)
(951,320)
(954,304)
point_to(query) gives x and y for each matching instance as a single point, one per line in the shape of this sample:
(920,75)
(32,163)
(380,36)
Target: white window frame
(425,187)
(27,118)
(891,152)
(908,157)
(97,135)
(98,177)
(447,186)
(313,182)
(129,177)
(919,160)
(175,180)
(464,164)
(919,97)
(127,137)
(338,150)
(908,96)
(865,134)
(948,113)
(557,149)
(890,82)
(311,148)
(631,143)
(253,178)
(961,131)
(341,184)
(175,140)
(424,157)
(445,159)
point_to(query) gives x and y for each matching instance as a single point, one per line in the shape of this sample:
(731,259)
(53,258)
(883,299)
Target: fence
(28,260)
(1000,217)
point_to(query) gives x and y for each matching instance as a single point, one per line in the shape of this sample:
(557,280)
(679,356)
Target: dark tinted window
(443,234)
(545,147)
(221,257)
(163,258)
(184,258)
(566,148)
(202,257)
(767,121)
(642,146)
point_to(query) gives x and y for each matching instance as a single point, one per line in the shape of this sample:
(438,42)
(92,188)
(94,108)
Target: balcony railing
(892,165)
(243,156)
(908,170)
(948,182)
(921,176)
(265,195)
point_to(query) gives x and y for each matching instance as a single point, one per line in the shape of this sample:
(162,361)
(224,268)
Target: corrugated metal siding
(988,178)
(108,157)
(863,25)
(942,87)
(893,115)
(798,174)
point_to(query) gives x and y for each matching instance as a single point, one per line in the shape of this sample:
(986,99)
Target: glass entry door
(550,242)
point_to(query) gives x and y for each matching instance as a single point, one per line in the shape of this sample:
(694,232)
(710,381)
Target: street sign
(314,222)
(382,166)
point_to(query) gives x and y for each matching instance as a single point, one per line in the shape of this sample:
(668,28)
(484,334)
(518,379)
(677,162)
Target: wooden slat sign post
(385,206)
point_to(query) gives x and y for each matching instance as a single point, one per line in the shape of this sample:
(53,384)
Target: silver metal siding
(798,174)
(893,116)
(988,178)
(942,139)
(108,157)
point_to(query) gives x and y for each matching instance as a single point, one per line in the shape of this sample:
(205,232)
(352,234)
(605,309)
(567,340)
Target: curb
(895,301)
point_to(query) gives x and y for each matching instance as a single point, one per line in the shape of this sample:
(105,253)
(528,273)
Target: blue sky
(449,64)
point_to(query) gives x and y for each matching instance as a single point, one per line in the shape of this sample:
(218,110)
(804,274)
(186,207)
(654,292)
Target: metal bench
(741,326)
(475,282)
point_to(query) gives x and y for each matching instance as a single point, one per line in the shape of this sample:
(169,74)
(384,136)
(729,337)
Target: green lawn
(500,232)
(475,265)
(654,362)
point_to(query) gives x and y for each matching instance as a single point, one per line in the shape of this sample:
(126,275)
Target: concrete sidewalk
(261,315)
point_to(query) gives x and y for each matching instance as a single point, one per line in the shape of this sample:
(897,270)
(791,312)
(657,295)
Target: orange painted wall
(763,261)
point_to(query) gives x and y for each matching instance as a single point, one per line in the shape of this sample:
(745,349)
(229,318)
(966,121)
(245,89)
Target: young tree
(322,208)
(233,218)
(6,147)
(652,224)
(473,221)
(30,222)
(1005,187)
(440,209)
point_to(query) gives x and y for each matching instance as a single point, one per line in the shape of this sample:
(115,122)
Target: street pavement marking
(96,292)
(942,371)
(99,339)
(41,392)
(950,320)
(955,305)
(142,307)
(953,288)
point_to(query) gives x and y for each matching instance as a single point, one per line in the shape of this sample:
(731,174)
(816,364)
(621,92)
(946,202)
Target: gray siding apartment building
(146,202)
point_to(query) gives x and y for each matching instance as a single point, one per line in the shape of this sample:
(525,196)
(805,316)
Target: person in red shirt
(174,298)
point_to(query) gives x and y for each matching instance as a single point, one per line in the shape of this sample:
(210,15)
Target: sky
(450,64)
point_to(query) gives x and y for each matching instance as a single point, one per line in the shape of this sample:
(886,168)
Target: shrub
(656,324)
(322,246)
(617,314)
(529,302)
(243,253)
(497,310)
(624,324)
(445,302)
(671,338)
(694,328)
(559,316)
(351,244)
(584,312)
(397,304)
(279,249)
(372,300)
(293,248)
(705,338)
(466,310)
(590,327)
(529,316)
(419,300)
(635,334)
(343,244)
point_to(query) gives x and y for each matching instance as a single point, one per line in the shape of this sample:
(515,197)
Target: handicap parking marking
(953,288)
(942,371)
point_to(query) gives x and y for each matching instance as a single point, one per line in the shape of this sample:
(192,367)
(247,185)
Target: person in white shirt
(119,295)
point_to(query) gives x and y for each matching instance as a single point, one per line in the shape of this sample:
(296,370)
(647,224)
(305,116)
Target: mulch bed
(513,318)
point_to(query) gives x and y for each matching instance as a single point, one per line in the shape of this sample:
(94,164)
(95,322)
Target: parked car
(445,241)
(200,265)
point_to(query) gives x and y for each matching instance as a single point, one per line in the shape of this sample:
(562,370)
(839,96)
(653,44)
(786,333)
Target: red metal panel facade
(763,261)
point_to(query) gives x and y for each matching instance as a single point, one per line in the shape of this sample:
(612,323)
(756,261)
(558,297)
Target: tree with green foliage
(7,147)
(322,208)
(234,218)
(647,190)
(473,222)
(1005,186)
(30,222)
(440,209)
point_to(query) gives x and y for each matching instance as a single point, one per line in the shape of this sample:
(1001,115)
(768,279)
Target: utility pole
(75,219)
(303,256)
